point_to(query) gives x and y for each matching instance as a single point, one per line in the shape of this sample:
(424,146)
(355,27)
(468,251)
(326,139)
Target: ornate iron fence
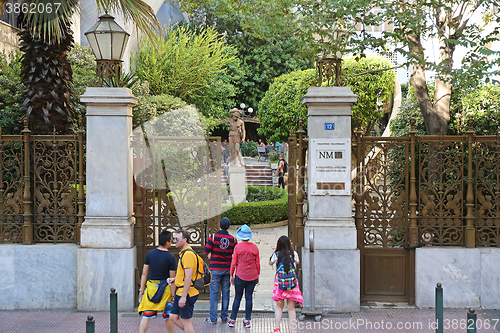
(41,187)
(434,190)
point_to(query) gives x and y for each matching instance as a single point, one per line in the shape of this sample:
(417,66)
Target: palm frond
(135,10)
(46,19)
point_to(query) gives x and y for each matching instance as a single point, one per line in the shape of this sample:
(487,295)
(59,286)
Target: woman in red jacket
(245,271)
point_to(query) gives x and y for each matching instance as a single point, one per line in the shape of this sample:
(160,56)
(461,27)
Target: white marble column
(107,257)
(336,257)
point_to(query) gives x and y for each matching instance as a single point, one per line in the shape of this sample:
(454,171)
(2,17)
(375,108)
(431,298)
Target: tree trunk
(47,76)
(436,114)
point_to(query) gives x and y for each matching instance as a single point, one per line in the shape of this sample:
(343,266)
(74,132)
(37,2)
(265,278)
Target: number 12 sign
(329,126)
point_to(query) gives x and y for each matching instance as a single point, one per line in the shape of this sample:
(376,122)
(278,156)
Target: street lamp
(108,41)
(331,67)
(249,110)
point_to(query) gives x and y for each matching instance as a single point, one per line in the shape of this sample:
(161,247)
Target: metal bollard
(113,311)
(90,325)
(439,308)
(471,321)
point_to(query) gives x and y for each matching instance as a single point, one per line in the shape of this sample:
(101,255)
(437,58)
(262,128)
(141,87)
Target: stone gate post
(336,268)
(107,257)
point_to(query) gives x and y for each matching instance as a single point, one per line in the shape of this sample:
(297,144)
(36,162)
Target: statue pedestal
(237,176)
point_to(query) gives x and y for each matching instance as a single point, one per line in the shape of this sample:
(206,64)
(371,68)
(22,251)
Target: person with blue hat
(219,248)
(245,271)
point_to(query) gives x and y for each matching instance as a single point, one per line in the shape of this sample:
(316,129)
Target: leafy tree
(263,59)
(190,65)
(83,65)
(281,108)
(373,89)
(10,93)
(481,104)
(46,72)
(282,105)
(333,26)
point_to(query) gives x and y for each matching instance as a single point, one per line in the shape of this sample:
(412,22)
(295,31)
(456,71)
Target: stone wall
(470,277)
(38,276)
(9,41)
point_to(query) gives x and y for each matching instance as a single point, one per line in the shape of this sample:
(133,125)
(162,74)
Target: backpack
(287,281)
(202,279)
(285,166)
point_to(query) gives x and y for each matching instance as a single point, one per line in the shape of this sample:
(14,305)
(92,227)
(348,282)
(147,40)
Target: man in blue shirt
(155,293)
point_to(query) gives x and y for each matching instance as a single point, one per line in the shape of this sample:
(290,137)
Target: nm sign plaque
(331,166)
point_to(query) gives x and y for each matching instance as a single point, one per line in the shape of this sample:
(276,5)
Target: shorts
(153,314)
(187,311)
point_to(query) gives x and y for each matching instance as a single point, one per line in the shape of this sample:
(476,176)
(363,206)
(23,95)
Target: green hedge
(259,212)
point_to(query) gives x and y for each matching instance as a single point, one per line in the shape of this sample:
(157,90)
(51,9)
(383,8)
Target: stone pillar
(107,257)
(336,257)
(237,185)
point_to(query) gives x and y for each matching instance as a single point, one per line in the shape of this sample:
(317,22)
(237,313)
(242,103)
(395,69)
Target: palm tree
(45,40)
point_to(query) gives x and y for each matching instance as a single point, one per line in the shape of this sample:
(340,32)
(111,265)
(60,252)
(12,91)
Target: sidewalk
(397,320)
(375,318)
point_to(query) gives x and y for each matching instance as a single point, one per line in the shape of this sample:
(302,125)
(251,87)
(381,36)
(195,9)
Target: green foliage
(274,156)
(83,64)
(261,211)
(10,93)
(150,107)
(190,65)
(263,59)
(331,27)
(264,193)
(373,89)
(249,148)
(481,105)
(281,108)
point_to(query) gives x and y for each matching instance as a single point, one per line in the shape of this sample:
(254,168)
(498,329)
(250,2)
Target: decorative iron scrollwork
(329,68)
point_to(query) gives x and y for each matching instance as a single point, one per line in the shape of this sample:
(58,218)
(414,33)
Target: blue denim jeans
(239,286)
(220,279)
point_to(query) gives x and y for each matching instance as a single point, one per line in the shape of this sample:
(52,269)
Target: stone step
(254,175)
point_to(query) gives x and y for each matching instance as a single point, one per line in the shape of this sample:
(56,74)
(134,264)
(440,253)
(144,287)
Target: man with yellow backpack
(190,268)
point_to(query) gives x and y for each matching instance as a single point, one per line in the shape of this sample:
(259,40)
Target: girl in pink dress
(284,254)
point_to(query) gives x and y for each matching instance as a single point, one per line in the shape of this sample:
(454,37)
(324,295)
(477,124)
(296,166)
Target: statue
(236,136)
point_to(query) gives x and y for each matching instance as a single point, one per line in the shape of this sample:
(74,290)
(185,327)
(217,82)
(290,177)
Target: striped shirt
(221,245)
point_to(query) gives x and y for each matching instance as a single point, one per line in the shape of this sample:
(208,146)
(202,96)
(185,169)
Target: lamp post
(108,41)
(331,67)
(249,110)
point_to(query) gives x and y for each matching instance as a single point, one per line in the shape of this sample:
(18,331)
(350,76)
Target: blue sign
(329,126)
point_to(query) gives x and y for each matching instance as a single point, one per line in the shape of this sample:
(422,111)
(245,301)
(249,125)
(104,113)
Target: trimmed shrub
(249,148)
(259,212)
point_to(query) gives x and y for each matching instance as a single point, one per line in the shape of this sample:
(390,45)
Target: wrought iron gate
(297,196)
(381,194)
(177,187)
(422,191)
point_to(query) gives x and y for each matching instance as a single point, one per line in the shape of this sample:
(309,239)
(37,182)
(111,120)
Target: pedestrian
(227,169)
(159,265)
(219,248)
(285,255)
(185,295)
(245,271)
(281,172)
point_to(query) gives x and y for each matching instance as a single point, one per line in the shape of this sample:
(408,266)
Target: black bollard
(90,325)
(471,321)
(439,308)
(113,311)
